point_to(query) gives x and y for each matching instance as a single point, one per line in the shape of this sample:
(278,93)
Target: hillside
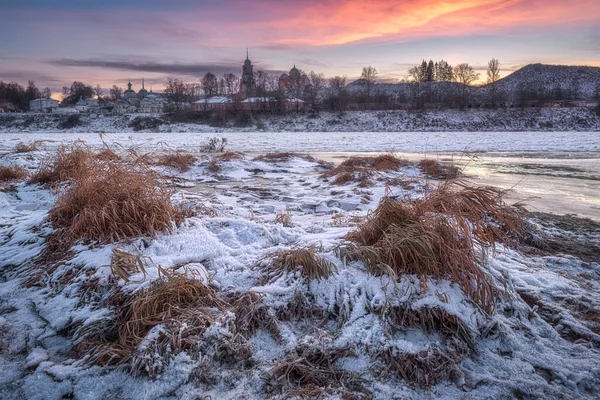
(578,81)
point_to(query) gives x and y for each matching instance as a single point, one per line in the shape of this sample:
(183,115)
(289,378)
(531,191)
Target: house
(123,106)
(218,103)
(151,104)
(43,105)
(87,105)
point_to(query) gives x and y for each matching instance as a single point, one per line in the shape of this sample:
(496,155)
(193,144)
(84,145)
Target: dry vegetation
(12,173)
(178,160)
(436,170)
(229,155)
(442,235)
(283,156)
(68,163)
(106,199)
(26,148)
(360,169)
(284,218)
(112,202)
(305,261)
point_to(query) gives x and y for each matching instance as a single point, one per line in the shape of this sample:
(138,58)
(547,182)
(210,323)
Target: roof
(258,99)
(214,100)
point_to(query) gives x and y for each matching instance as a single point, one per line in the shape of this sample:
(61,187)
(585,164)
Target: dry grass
(12,173)
(252,314)
(284,218)
(109,201)
(184,303)
(178,160)
(283,156)
(69,163)
(107,155)
(424,368)
(310,366)
(26,148)
(436,170)
(430,320)
(305,261)
(214,166)
(229,155)
(123,264)
(360,169)
(437,236)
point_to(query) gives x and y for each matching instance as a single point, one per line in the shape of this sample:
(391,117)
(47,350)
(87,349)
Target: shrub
(305,261)
(215,145)
(113,201)
(67,164)
(11,173)
(142,123)
(26,148)
(178,160)
(359,169)
(72,121)
(437,170)
(437,236)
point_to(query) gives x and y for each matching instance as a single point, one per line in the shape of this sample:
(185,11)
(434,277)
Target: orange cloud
(339,22)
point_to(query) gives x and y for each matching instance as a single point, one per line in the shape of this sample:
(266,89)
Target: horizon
(111,42)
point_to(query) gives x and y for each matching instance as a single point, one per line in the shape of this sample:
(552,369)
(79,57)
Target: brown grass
(436,170)
(123,264)
(178,160)
(283,156)
(310,367)
(430,320)
(284,218)
(12,173)
(229,155)
(69,163)
(360,169)
(421,369)
(214,166)
(177,301)
(26,148)
(437,237)
(113,201)
(305,261)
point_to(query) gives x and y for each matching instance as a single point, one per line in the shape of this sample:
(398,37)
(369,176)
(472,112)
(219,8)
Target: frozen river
(552,171)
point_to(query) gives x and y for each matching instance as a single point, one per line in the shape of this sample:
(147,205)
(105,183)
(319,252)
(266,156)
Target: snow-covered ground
(502,120)
(542,342)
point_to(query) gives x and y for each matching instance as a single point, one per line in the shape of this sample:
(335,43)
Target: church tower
(247,85)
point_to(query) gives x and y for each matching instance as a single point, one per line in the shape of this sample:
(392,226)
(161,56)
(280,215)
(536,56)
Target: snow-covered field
(542,341)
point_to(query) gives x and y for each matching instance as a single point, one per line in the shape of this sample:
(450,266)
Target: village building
(43,105)
(218,103)
(151,104)
(295,81)
(248,83)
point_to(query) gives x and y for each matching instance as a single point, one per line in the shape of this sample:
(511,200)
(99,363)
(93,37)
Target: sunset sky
(106,42)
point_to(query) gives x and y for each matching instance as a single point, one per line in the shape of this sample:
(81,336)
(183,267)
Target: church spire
(142,83)
(247,58)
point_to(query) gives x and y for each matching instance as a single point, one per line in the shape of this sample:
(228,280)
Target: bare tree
(340,96)
(368,75)
(210,84)
(493,75)
(317,83)
(177,94)
(98,92)
(232,84)
(465,75)
(46,93)
(116,92)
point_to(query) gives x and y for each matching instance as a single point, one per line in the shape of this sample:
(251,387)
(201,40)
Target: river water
(556,182)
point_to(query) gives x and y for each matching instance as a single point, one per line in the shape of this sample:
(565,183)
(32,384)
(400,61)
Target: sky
(55,42)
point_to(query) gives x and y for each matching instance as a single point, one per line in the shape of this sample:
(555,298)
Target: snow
(546,352)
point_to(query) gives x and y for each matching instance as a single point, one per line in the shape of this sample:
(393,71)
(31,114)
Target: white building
(43,105)
(151,104)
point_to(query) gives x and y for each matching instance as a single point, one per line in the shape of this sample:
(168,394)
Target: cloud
(153,67)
